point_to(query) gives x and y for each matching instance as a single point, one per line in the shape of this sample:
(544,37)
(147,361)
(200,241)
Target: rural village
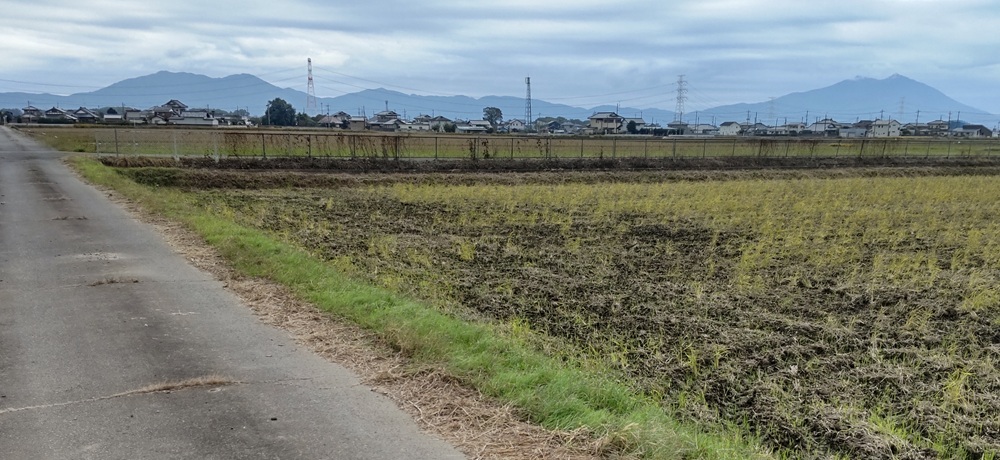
(177,113)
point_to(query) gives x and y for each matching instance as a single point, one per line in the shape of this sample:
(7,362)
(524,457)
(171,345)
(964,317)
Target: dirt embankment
(207,173)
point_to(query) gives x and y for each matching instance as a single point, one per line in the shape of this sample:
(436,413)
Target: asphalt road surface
(95,307)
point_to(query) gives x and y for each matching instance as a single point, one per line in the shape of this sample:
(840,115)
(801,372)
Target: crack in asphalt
(165,387)
(213,381)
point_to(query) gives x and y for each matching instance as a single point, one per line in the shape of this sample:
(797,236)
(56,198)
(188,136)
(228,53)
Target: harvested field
(849,313)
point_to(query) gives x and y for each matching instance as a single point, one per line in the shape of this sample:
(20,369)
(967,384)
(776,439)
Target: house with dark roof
(85,115)
(605,123)
(640,124)
(974,131)
(55,113)
(31,114)
(730,128)
(937,128)
(112,116)
(176,105)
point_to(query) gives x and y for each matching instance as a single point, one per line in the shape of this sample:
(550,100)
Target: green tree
(279,113)
(493,115)
(303,119)
(450,127)
(631,127)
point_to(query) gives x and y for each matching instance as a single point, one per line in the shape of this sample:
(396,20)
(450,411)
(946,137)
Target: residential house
(704,129)
(850,131)
(195,118)
(437,123)
(678,128)
(757,129)
(338,120)
(388,125)
(414,126)
(790,129)
(885,128)
(514,126)
(574,128)
(605,123)
(386,115)
(136,116)
(730,128)
(825,127)
(915,129)
(937,128)
(55,113)
(163,112)
(473,126)
(176,105)
(974,131)
(386,120)
(640,124)
(31,114)
(358,123)
(112,116)
(85,115)
(866,125)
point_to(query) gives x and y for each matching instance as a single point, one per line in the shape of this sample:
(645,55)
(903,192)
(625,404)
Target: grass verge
(554,394)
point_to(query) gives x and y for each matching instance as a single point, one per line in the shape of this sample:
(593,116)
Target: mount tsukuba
(895,97)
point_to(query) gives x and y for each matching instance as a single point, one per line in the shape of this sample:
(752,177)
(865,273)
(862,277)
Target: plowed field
(855,316)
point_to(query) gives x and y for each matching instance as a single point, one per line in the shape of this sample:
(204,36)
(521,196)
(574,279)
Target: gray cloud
(582,52)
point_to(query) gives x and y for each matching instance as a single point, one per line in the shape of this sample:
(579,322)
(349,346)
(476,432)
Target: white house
(415,126)
(515,126)
(112,116)
(704,129)
(730,128)
(852,132)
(195,118)
(885,128)
(826,127)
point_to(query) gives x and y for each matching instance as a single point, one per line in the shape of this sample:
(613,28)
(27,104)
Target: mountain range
(895,97)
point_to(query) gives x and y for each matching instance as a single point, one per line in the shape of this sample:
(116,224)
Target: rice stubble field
(852,316)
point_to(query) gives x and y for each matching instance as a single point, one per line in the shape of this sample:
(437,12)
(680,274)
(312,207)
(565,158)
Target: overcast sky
(581,52)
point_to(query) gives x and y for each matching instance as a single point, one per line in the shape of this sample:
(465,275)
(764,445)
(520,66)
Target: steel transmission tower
(310,88)
(527,105)
(681,97)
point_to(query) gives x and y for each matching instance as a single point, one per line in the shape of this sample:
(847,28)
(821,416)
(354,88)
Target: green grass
(500,362)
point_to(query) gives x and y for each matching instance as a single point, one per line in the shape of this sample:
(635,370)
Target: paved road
(93,304)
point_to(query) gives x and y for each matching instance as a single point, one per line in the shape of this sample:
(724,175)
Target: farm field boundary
(265,143)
